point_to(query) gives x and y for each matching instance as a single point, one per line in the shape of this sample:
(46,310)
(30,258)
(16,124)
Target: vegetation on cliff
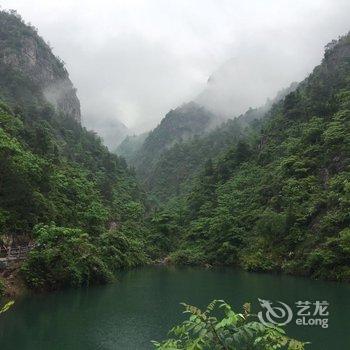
(268,191)
(30,72)
(278,198)
(60,186)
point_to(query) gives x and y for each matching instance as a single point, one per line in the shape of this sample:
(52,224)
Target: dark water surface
(144,304)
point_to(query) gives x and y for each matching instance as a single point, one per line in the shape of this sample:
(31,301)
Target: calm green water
(144,304)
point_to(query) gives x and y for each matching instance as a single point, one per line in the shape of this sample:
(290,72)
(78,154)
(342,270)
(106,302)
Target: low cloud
(134,60)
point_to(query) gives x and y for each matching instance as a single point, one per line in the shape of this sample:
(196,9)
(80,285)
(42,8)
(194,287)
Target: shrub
(188,256)
(232,331)
(63,257)
(120,248)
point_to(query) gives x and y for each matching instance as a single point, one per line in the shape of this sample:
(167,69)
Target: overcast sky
(134,60)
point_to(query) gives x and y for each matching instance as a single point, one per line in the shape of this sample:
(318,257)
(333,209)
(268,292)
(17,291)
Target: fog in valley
(132,61)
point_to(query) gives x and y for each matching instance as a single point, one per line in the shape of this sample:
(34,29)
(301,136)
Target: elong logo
(309,313)
(278,315)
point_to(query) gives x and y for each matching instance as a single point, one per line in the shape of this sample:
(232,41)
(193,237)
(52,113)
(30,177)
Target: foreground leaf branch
(218,327)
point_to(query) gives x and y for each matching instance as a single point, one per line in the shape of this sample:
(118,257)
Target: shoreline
(15,288)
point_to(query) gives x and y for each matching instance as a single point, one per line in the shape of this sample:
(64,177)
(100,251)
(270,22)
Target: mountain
(242,82)
(277,201)
(266,191)
(130,146)
(173,171)
(59,187)
(29,68)
(181,124)
(111,130)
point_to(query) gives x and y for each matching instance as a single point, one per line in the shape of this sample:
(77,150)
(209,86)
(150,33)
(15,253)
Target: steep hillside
(30,71)
(59,186)
(279,201)
(173,173)
(176,168)
(130,146)
(180,124)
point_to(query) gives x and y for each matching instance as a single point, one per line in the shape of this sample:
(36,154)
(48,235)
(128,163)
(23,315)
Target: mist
(132,61)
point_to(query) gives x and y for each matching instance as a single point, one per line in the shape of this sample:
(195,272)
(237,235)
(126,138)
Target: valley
(210,204)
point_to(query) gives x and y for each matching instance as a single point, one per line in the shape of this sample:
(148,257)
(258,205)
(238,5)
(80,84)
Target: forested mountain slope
(279,201)
(268,191)
(129,147)
(172,173)
(59,185)
(180,124)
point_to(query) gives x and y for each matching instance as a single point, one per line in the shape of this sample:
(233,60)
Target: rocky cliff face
(25,53)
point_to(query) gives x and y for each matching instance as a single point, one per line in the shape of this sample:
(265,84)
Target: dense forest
(60,187)
(173,161)
(278,198)
(266,191)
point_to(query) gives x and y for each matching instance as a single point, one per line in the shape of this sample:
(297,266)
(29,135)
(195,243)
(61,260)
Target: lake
(144,304)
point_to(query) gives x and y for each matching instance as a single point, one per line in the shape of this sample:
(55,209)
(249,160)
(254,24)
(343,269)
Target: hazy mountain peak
(25,55)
